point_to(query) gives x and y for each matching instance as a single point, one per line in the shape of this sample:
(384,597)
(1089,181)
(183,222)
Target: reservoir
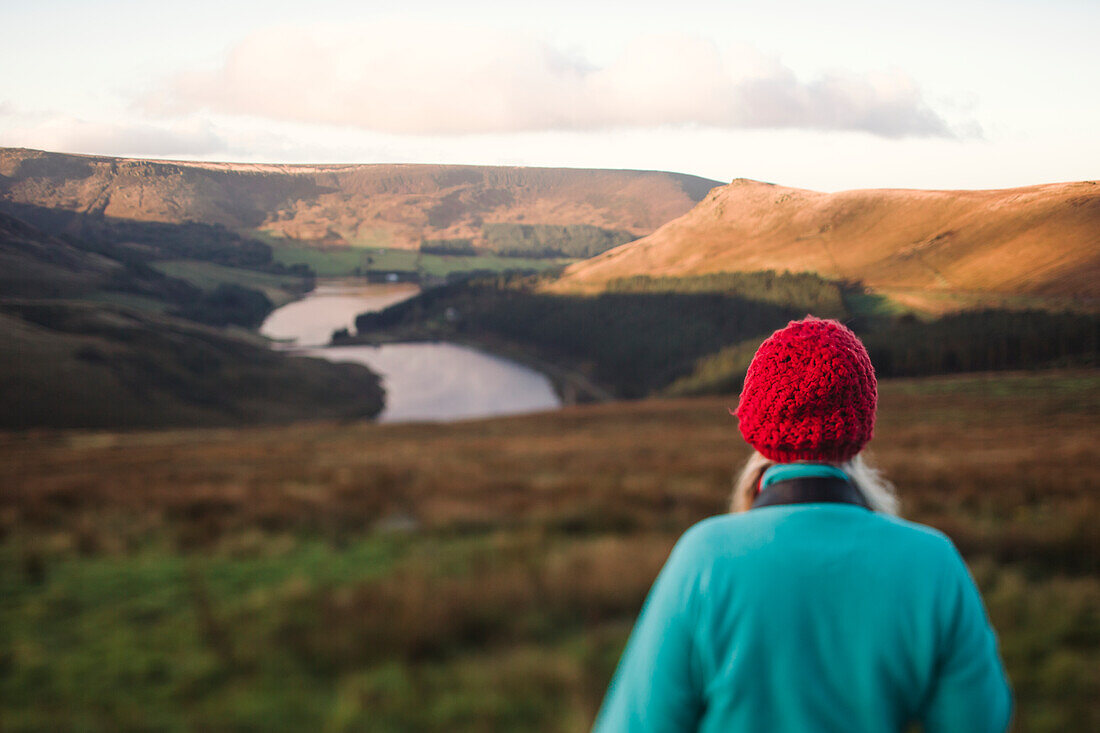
(423,381)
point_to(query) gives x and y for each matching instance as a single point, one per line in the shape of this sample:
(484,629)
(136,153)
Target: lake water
(423,381)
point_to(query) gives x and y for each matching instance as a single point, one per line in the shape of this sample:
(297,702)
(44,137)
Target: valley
(161,246)
(202,527)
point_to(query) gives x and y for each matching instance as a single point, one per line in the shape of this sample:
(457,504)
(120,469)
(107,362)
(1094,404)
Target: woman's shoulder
(721,548)
(919,533)
(718,530)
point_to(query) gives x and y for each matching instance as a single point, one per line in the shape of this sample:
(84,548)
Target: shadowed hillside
(70,364)
(339,205)
(1037,241)
(93,335)
(643,336)
(33,264)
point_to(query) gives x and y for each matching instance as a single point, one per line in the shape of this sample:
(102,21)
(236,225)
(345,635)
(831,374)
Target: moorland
(200,532)
(483,575)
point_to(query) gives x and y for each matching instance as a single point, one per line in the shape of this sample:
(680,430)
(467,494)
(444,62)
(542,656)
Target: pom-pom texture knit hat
(810,394)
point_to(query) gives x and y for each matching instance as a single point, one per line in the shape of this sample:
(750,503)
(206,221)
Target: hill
(34,264)
(143,275)
(1039,241)
(71,364)
(395,206)
(88,339)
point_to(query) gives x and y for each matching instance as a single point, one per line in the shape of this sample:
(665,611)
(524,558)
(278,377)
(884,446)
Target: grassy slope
(346,261)
(362,205)
(262,577)
(34,264)
(85,342)
(73,364)
(1038,241)
(279,289)
(38,266)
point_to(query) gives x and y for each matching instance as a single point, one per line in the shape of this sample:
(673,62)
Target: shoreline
(571,387)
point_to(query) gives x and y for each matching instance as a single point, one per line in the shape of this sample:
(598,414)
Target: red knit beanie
(809,394)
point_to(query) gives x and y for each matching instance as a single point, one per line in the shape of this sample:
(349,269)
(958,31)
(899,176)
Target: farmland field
(346,261)
(279,289)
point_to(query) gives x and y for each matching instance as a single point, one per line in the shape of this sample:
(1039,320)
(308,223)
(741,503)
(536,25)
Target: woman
(810,607)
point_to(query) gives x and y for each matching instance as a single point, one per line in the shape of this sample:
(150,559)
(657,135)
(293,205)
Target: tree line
(642,337)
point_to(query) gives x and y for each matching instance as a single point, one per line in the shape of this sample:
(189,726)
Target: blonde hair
(878,492)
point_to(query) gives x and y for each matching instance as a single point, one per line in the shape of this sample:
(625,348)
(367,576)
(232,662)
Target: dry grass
(510,594)
(482,575)
(966,453)
(1036,240)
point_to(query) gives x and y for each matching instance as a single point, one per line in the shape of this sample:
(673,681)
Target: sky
(828,96)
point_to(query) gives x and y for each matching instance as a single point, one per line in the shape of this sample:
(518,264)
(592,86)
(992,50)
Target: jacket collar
(807,483)
(801,469)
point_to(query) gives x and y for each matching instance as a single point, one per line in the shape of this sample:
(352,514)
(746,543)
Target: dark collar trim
(811,490)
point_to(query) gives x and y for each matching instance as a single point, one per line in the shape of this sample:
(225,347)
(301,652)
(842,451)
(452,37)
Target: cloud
(71,134)
(437,81)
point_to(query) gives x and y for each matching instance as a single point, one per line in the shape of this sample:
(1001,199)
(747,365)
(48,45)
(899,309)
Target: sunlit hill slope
(1039,240)
(335,205)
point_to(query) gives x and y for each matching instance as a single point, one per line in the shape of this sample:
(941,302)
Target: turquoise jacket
(805,618)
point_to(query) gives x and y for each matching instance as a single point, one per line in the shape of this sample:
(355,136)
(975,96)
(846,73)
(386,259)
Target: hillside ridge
(380,205)
(1041,240)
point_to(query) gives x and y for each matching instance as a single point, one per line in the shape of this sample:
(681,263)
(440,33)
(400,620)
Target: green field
(280,289)
(443,265)
(351,261)
(483,576)
(345,261)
